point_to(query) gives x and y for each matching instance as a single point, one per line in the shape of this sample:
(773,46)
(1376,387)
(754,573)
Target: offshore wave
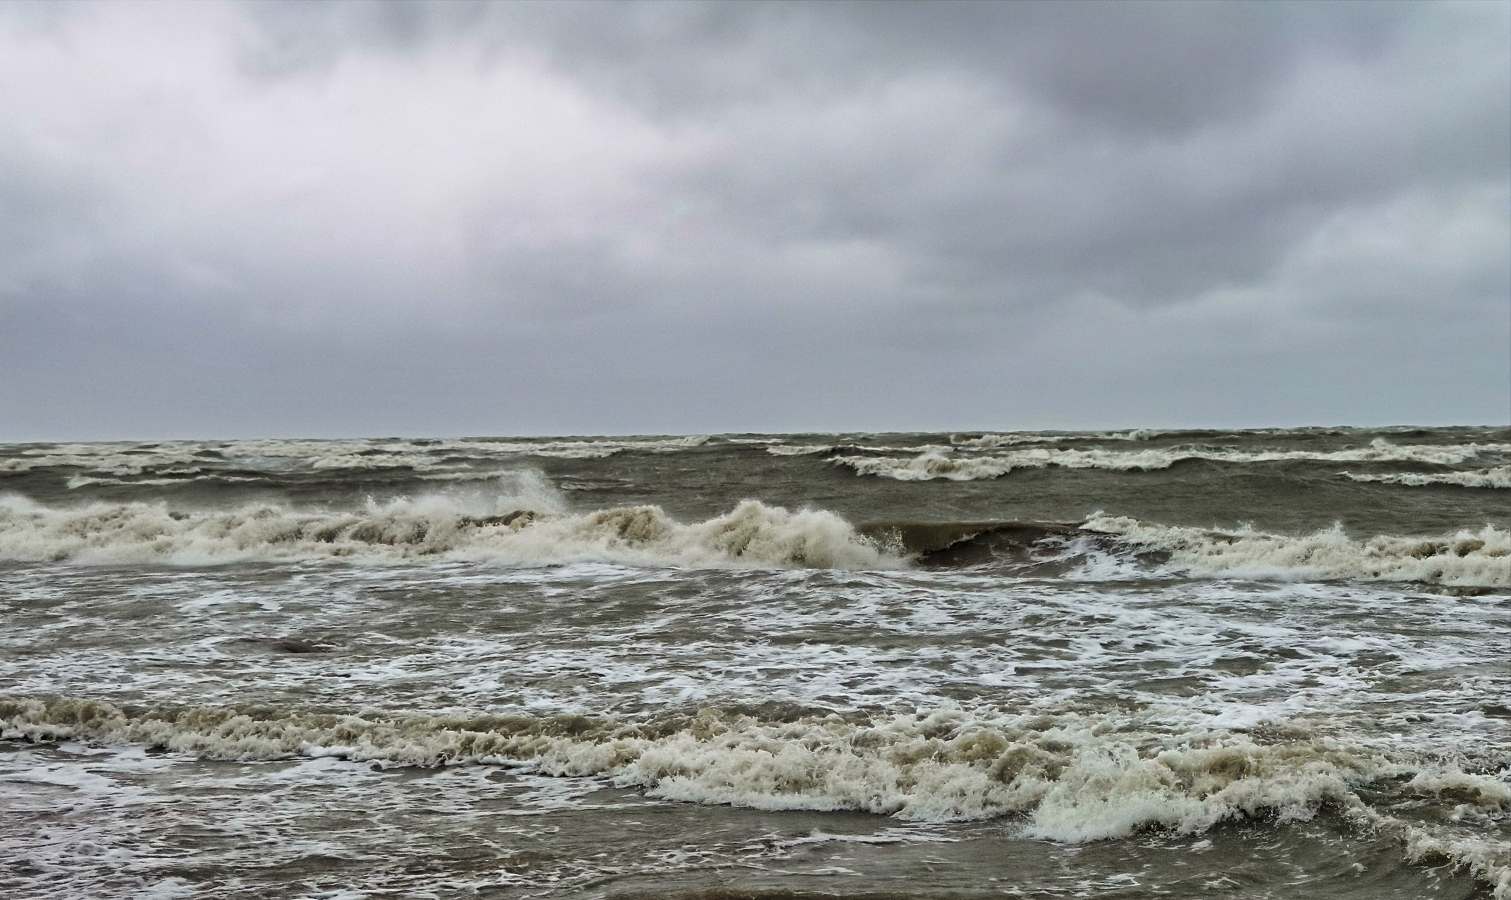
(1106,547)
(936,463)
(1496,477)
(1070,777)
(963,442)
(531,527)
(526,530)
(189,457)
(993,441)
(1468,558)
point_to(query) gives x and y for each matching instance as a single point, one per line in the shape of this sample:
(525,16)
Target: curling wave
(1468,558)
(522,530)
(1071,777)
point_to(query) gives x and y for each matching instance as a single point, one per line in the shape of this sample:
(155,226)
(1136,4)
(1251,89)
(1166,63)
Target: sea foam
(1068,776)
(1467,558)
(521,529)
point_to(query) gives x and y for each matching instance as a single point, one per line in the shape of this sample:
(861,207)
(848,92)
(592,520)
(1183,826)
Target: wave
(993,441)
(1497,477)
(957,544)
(1119,548)
(113,459)
(963,442)
(935,463)
(1468,558)
(519,529)
(797,449)
(529,525)
(1068,776)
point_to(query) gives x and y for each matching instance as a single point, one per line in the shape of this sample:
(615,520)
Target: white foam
(937,463)
(1495,477)
(1467,558)
(525,527)
(1073,777)
(106,459)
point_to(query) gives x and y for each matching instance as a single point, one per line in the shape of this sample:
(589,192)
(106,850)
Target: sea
(1127,664)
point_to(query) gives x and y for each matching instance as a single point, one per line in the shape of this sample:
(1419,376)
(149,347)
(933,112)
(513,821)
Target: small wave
(1497,477)
(936,463)
(1070,777)
(1469,558)
(797,449)
(111,459)
(993,441)
(79,481)
(517,529)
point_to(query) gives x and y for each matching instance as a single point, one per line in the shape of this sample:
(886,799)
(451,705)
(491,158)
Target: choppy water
(1196,664)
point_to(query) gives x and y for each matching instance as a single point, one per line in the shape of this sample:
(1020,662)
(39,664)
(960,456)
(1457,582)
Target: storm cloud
(386,218)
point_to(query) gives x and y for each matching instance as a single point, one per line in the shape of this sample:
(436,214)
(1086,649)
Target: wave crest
(1468,558)
(518,530)
(1496,477)
(939,463)
(1070,776)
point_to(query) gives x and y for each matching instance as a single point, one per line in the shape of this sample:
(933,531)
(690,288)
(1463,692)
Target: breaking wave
(1469,558)
(937,463)
(797,449)
(532,527)
(527,530)
(1497,477)
(1069,777)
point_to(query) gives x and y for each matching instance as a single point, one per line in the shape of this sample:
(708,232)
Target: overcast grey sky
(224,220)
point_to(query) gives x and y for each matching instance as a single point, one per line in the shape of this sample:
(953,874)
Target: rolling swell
(955,544)
(1066,776)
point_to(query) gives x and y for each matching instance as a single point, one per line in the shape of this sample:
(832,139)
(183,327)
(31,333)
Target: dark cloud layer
(362,218)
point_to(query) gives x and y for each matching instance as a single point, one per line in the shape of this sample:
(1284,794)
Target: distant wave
(1497,477)
(186,457)
(937,464)
(1469,558)
(1069,776)
(993,441)
(525,530)
(797,449)
(963,442)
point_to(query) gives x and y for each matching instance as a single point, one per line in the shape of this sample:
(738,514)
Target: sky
(224,220)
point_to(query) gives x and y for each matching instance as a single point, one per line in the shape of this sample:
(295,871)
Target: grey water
(1132,664)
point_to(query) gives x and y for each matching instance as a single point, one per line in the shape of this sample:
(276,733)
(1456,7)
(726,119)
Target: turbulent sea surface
(1140,664)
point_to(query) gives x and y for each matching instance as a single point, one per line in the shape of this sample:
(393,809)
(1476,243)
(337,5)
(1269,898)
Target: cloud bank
(353,218)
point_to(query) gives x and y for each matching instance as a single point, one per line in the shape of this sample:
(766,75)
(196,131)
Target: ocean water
(1258,664)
